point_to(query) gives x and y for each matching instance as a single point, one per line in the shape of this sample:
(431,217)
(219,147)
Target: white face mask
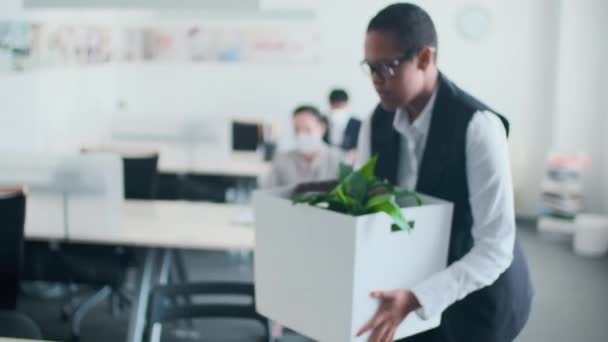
(306,143)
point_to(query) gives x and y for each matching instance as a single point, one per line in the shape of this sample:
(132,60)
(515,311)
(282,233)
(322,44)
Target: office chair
(12,222)
(165,306)
(14,324)
(246,136)
(140,176)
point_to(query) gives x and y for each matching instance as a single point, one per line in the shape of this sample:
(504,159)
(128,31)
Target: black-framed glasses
(384,70)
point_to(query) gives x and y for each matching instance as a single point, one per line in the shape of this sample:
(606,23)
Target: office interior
(135,135)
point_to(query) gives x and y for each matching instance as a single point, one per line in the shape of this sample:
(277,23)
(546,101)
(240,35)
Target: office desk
(159,227)
(45,217)
(174,224)
(163,225)
(167,224)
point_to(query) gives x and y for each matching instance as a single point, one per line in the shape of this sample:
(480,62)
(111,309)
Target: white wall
(260,90)
(10,7)
(512,69)
(605,128)
(581,92)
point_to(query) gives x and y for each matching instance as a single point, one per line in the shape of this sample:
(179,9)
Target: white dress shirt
(490,195)
(338,121)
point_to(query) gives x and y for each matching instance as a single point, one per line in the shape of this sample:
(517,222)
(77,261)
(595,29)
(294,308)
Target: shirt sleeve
(491,198)
(273,177)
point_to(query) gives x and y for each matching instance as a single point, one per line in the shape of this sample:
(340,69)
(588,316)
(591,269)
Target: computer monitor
(246,136)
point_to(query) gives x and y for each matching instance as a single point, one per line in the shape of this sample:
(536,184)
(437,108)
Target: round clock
(474,22)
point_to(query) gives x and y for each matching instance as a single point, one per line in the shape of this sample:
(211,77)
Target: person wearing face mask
(311,159)
(343,130)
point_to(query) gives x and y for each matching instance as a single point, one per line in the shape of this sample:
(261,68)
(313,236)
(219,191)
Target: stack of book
(562,189)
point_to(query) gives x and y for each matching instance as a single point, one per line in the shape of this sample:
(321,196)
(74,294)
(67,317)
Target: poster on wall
(200,44)
(130,45)
(31,45)
(283,46)
(56,46)
(93,45)
(161,44)
(15,45)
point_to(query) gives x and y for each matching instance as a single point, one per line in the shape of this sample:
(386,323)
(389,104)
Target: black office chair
(165,306)
(107,266)
(140,176)
(246,136)
(12,222)
(17,325)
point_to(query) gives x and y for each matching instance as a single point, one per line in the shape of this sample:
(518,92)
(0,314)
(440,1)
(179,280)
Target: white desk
(166,224)
(159,226)
(45,217)
(174,224)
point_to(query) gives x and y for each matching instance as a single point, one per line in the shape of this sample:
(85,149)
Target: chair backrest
(163,308)
(140,170)
(246,136)
(17,325)
(140,176)
(12,222)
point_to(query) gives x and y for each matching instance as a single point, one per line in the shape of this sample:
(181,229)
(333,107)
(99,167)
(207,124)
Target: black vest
(496,313)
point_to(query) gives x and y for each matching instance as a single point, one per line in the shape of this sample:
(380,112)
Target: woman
(311,159)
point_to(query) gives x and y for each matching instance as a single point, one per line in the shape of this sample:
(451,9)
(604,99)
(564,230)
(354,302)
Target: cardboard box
(315,268)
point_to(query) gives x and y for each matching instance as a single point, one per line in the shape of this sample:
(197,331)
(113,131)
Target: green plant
(358,193)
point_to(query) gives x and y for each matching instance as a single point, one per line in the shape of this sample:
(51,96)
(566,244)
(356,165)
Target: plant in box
(358,193)
(317,261)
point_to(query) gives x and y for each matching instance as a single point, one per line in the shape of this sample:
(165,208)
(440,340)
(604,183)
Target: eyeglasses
(384,70)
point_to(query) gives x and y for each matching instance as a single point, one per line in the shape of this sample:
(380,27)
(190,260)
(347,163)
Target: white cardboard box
(315,269)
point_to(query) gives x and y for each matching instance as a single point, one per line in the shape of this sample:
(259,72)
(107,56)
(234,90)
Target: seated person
(343,130)
(311,159)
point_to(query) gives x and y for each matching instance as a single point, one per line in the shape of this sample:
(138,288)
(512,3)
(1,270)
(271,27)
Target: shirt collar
(340,116)
(422,124)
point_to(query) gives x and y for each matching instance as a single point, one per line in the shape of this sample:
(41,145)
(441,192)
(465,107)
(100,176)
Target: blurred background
(209,87)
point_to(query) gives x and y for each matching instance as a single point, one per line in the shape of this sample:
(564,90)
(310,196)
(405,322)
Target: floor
(571,302)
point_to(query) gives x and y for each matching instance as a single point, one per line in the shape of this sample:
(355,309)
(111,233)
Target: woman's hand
(396,305)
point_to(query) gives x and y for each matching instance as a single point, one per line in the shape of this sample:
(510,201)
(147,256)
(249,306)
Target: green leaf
(345,171)
(357,193)
(378,200)
(392,209)
(356,187)
(344,198)
(338,206)
(368,170)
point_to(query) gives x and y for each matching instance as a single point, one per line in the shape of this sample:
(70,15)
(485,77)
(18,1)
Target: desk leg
(163,279)
(140,305)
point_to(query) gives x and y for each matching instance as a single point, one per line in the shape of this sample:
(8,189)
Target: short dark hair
(338,95)
(311,110)
(412,26)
